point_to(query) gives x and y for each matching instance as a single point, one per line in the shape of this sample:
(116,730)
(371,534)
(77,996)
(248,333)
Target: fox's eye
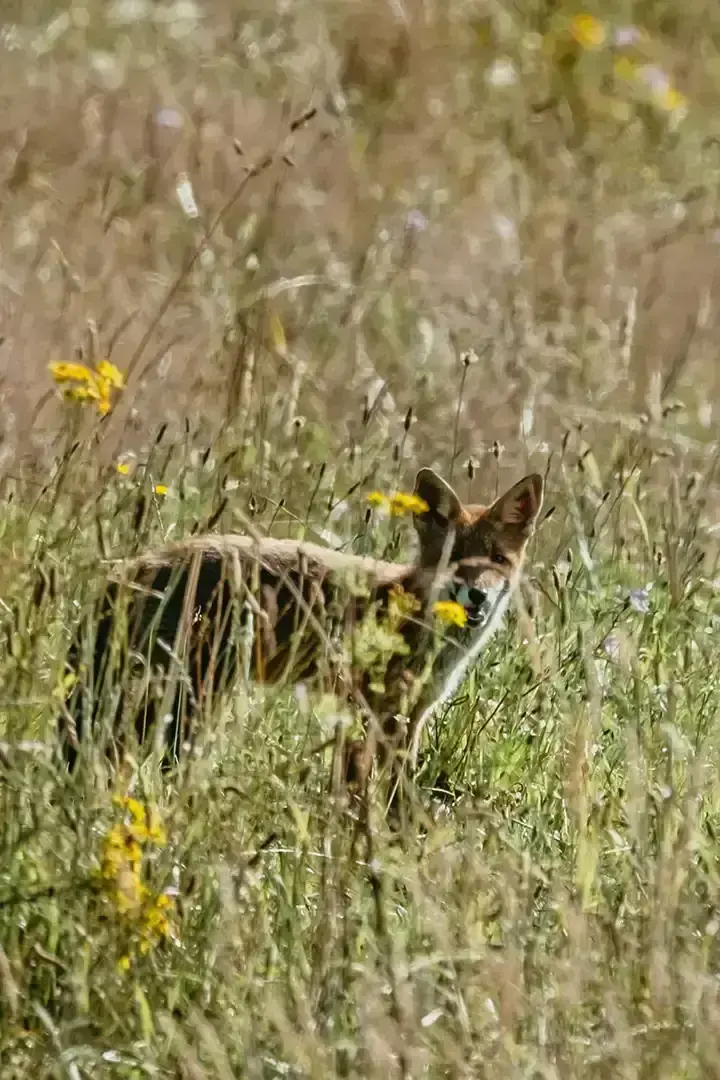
(498,558)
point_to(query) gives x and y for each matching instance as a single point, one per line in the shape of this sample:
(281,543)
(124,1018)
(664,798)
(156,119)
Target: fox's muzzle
(479,601)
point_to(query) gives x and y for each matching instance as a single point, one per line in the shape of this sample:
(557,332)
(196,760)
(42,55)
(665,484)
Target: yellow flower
(448,611)
(81,392)
(403,502)
(123,964)
(121,851)
(138,830)
(157,922)
(111,374)
(133,806)
(145,822)
(115,839)
(62,372)
(671,101)
(123,468)
(588,31)
(86,384)
(136,809)
(161,489)
(129,892)
(89,391)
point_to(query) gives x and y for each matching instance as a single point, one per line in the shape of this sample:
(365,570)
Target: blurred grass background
(326,243)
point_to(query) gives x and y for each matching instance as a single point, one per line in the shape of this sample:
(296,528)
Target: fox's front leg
(385,731)
(390,725)
(401,747)
(358,759)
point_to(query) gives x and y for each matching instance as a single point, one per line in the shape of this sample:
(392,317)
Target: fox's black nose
(477,597)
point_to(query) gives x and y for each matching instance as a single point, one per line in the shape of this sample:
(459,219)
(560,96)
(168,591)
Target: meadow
(258,261)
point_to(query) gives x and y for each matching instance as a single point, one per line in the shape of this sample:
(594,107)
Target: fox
(184,623)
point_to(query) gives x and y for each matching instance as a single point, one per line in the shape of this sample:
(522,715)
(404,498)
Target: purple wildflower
(640,600)
(416,221)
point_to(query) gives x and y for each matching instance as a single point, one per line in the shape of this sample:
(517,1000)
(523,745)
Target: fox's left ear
(519,507)
(439,516)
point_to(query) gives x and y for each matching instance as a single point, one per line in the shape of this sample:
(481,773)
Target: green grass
(554,914)
(553,911)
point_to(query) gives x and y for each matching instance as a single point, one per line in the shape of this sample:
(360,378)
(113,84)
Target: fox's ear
(519,507)
(443,510)
(443,503)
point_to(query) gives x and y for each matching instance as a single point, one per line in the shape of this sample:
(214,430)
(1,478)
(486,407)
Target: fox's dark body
(153,618)
(192,614)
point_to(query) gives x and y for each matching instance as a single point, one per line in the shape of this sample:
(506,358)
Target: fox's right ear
(519,507)
(443,509)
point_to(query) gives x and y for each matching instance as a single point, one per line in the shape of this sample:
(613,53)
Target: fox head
(478,550)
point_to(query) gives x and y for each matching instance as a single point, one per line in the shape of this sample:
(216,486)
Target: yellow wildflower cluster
(402,502)
(587,31)
(84,384)
(145,916)
(646,78)
(450,612)
(142,822)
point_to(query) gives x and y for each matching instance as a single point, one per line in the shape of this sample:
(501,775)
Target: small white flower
(186,196)
(416,221)
(169,118)
(654,78)
(339,510)
(626,35)
(501,73)
(431,1018)
(302,697)
(505,227)
(335,103)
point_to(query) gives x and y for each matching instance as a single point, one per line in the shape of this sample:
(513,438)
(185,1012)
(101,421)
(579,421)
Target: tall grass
(327,244)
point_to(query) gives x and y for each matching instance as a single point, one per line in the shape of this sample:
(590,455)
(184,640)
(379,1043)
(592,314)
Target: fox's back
(277,557)
(295,601)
